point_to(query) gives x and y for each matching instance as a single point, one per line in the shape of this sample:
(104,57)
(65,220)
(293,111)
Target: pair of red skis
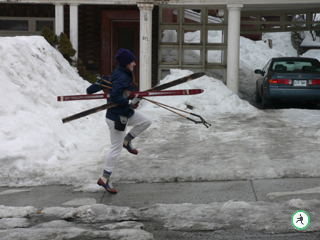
(155,91)
(132,94)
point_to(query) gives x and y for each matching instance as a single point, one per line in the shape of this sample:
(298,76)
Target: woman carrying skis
(121,116)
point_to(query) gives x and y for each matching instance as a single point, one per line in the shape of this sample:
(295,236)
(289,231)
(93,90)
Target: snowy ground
(178,217)
(36,148)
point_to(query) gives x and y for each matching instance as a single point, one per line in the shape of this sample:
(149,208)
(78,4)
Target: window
(295,66)
(192,38)
(43,23)
(16,26)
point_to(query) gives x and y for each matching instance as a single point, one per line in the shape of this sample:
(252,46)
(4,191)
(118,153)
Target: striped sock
(106,174)
(128,138)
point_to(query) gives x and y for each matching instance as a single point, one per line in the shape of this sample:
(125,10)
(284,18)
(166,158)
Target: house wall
(33,10)
(27,10)
(89,28)
(89,36)
(89,33)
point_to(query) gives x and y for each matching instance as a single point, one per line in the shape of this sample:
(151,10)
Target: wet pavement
(140,195)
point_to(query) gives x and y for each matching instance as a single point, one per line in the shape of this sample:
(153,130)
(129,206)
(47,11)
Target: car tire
(258,97)
(264,103)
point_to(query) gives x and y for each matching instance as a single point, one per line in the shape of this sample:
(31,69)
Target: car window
(296,66)
(266,67)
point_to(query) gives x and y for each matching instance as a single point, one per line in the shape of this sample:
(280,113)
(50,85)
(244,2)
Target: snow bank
(36,148)
(127,223)
(215,99)
(32,136)
(314,53)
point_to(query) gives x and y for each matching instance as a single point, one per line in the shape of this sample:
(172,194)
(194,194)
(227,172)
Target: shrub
(65,48)
(51,38)
(84,73)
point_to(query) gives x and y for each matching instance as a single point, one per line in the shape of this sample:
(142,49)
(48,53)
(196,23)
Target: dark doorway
(119,29)
(126,35)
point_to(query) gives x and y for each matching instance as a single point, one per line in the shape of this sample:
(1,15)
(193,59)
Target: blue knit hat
(124,57)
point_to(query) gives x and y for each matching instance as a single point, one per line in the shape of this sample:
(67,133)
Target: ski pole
(206,124)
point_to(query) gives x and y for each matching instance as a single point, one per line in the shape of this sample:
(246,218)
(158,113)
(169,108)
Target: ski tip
(197,75)
(202,90)
(59,98)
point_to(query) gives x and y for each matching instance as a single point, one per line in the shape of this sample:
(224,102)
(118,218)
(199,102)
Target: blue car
(288,79)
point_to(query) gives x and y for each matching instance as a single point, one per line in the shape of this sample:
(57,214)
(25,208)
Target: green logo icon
(300,220)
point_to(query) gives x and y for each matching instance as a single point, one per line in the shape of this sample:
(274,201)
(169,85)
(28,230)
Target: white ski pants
(140,123)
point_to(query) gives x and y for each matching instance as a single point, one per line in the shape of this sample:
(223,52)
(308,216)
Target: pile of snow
(308,40)
(314,53)
(32,135)
(215,99)
(18,226)
(101,221)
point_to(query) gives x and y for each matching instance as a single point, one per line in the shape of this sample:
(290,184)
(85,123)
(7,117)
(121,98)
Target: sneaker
(106,183)
(129,147)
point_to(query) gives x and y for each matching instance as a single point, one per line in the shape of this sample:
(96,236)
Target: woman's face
(131,65)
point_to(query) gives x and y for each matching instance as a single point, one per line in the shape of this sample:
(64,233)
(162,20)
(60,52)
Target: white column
(59,19)
(234,18)
(145,46)
(74,27)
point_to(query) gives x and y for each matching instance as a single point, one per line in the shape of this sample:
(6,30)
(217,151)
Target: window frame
(32,24)
(181,27)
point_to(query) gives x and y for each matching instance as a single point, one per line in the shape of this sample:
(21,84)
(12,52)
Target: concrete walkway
(147,194)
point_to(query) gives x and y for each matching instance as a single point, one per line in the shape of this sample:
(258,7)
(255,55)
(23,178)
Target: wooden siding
(27,10)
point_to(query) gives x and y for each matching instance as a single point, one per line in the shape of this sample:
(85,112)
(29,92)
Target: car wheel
(258,97)
(264,103)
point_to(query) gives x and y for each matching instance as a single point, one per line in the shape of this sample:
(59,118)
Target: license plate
(300,83)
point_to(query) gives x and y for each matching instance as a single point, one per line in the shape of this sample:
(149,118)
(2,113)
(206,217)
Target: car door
(265,78)
(261,78)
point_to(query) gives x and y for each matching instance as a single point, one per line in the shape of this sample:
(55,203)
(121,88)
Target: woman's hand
(136,100)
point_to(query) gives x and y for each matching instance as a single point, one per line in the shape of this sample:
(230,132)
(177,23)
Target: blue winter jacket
(121,81)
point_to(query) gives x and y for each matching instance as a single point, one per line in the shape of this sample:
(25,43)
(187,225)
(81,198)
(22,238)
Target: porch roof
(247,4)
